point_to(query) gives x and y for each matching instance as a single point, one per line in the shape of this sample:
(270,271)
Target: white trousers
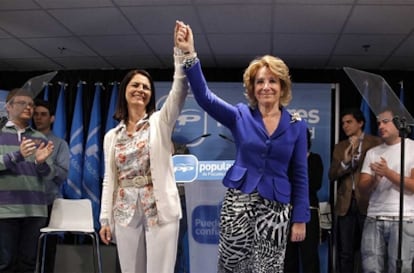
(152,251)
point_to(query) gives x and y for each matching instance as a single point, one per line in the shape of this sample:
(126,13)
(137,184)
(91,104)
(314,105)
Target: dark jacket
(344,177)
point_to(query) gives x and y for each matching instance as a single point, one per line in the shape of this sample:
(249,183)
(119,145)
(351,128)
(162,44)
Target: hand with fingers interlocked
(183,37)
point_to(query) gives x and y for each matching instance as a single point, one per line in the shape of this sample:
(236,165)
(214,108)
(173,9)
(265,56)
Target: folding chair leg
(39,243)
(40,260)
(96,253)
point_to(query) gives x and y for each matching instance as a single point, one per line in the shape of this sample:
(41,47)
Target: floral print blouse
(132,159)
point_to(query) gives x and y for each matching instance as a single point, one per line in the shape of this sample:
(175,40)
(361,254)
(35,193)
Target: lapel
(284,123)
(366,143)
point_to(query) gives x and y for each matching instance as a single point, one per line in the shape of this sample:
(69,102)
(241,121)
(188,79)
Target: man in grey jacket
(43,118)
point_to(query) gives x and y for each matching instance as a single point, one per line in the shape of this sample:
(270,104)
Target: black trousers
(350,229)
(18,243)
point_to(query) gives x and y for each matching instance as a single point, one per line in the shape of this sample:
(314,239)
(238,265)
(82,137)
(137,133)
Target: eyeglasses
(24,104)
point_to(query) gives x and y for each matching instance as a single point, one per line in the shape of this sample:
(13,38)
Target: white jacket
(162,124)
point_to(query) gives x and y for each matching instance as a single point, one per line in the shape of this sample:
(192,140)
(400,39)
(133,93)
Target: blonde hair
(278,68)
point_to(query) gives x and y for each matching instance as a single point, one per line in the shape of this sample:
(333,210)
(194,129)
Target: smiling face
(275,68)
(138,91)
(267,87)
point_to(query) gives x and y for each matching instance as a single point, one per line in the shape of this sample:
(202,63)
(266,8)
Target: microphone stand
(404,131)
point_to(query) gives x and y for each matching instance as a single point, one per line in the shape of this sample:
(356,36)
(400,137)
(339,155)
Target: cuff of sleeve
(104,222)
(42,168)
(181,57)
(190,60)
(178,56)
(179,68)
(16,156)
(178,52)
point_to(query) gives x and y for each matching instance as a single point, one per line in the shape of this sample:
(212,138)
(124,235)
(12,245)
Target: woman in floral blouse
(140,203)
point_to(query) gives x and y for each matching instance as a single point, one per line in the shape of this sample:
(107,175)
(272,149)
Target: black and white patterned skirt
(253,234)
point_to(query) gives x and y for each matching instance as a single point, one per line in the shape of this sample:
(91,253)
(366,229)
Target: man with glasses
(24,163)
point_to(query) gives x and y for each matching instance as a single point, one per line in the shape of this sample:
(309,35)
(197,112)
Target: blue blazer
(276,165)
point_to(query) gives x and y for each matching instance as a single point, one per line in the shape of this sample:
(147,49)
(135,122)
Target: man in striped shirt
(24,163)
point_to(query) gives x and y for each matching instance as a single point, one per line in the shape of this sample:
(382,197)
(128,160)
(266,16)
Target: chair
(70,215)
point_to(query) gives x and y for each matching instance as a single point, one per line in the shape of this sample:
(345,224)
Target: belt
(393,218)
(137,181)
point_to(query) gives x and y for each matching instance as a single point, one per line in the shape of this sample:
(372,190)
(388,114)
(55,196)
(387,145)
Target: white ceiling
(122,34)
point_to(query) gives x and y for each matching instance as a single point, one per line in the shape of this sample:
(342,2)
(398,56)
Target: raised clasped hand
(183,37)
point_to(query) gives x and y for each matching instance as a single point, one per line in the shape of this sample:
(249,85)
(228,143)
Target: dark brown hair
(121,111)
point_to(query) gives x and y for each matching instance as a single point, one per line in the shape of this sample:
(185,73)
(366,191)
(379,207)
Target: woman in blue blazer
(268,183)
